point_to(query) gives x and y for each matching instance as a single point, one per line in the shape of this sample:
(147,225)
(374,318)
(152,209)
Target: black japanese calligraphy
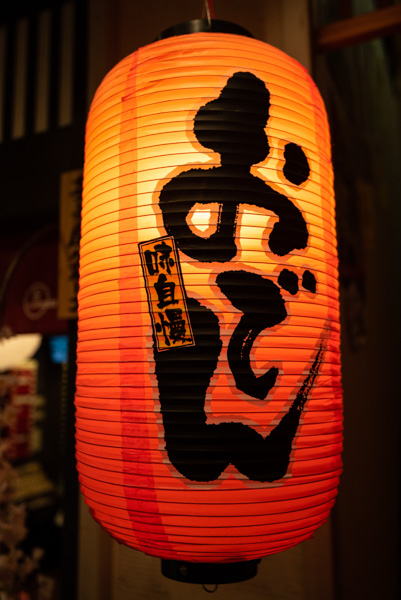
(166,297)
(173,326)
(159,258)
(165,291)
(233,125)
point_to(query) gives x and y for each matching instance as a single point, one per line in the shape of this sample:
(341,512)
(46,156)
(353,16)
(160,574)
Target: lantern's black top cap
(203,25)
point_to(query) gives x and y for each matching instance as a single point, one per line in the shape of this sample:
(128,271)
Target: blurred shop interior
(53,55)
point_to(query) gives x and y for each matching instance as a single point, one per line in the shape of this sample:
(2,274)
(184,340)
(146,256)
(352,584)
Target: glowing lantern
(208,397)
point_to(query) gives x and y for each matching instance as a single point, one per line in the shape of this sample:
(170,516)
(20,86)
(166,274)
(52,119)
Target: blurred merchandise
(24,438)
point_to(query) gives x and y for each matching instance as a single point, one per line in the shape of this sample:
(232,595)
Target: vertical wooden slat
(54,91)
(20,79)
(66,78)
(3,45)
(30,75)
(41,121)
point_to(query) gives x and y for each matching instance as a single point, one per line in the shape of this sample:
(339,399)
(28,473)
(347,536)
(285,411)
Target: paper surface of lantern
(209,420)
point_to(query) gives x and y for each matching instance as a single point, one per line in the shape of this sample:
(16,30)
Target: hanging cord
(209,11)
(210,591)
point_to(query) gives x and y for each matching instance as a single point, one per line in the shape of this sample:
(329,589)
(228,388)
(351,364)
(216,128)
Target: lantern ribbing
(208,399)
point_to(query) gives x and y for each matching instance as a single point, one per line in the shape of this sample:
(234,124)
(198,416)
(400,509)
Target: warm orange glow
(141,142)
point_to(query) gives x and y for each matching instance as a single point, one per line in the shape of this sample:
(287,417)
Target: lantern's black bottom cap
(203,25)
(209,573)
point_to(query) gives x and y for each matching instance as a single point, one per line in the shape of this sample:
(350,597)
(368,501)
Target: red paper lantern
(209,416)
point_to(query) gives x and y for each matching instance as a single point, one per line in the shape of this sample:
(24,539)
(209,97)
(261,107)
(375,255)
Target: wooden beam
(365,27)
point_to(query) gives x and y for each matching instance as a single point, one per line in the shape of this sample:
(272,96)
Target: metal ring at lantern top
(203,25)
